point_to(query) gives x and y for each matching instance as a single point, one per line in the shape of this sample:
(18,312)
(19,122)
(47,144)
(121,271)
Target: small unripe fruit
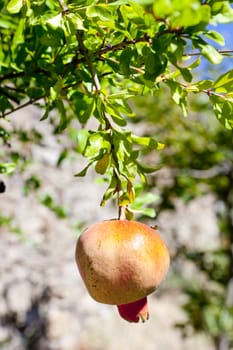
(121,262)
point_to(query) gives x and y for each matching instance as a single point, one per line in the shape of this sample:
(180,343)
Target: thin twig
(84,51)
(208,92)
(28,103)
(198,53)
(121,46)
(12,75)
(138,70)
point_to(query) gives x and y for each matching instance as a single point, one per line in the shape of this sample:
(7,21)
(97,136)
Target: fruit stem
(121,212)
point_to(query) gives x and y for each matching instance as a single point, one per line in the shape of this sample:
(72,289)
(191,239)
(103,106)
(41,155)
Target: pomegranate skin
(121,261)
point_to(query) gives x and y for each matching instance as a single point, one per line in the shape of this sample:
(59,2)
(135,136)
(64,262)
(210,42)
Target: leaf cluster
(199,160)
(85,59)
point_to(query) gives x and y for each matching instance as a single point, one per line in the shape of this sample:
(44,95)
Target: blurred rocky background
(43,303)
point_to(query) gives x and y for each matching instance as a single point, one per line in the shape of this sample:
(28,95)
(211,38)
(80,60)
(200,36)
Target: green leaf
(125,59)
(147,198)
(83,172)
(129,214)
(148,142)
(102,164)
(144,2)
(121,95)
(208,51)
(123,200)
(5,104)
(111,190)
(146,169)
(74,22)
(46,113)
(84,106)
(150,212)
(223,109)
(122,145)
(153,64)
(224,83)
(120,106)
(114,113)
(62,113)
(211,54)
(97,144)
(56,21)
(141,202)
(179,95)
(216,36)
(119,2)
(200,86)
(223,12)
(86,114)
(186,74)
(186,13)
(55,91)
(14,6)
(100,11)
(81,136)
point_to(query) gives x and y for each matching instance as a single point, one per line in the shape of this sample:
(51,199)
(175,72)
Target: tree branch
(12,75)
(84,51)
(121,46)
(28,103)
(198,53)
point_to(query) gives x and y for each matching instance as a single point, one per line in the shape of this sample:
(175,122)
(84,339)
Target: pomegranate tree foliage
(199,160)
(89,59)
(122,62)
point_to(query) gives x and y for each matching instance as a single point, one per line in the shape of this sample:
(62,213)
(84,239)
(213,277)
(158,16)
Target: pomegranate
(121,262)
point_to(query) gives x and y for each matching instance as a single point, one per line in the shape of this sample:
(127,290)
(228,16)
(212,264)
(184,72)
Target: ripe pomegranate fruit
(121,262)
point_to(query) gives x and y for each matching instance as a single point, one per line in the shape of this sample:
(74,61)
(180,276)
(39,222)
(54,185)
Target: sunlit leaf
(223,109)
(216,36)
(100,11)
(14,6)
(224,83)
(82,137)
